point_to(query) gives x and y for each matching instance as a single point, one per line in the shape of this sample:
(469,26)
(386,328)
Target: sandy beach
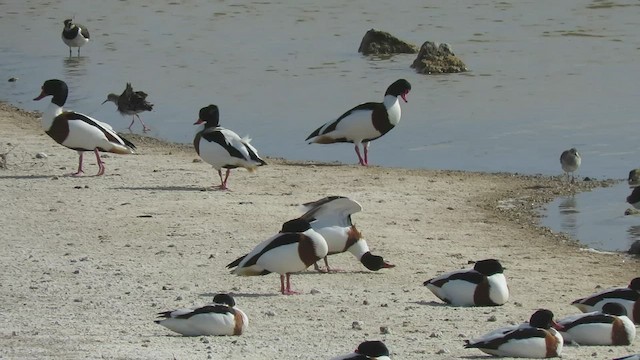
(88,262)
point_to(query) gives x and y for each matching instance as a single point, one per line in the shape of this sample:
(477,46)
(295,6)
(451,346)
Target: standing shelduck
(78,131)
(539,339)
(74,35)
(611,326)
(629,297)
(222,148)
(365,122)
(331,217)
(484,285)
(221,317)
(296,248)
(367,350)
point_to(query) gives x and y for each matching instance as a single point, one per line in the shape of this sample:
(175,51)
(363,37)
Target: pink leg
(100,163)
(133,119)
(366,153)
(79,172)
(226,177)
(144,126)
(362,162)
(287,290)
(327,269)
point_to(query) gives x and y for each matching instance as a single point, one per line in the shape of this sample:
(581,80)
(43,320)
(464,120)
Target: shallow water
(544,77)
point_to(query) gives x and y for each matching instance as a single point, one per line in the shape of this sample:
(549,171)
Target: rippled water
(545,76)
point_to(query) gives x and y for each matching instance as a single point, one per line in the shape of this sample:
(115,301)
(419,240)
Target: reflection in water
(569,215)
(75,66)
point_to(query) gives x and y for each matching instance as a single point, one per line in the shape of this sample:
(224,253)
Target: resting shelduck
(539,339)
(484,285)
(611,326)
(629,297)
(221,317)
(78,131)
(296,248)
(131,103)
(74,35)
(367,350)
(222,148)
(331,217)
(365,122)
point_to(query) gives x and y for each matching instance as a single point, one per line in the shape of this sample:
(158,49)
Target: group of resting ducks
(326,228)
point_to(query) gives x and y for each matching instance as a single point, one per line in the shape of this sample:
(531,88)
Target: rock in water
(435,58)
(377,42)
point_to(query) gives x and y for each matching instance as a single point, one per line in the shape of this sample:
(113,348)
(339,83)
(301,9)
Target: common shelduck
(365,122)
(222,148)
(78,131)
(331,217)
(74,35)
(221,317)
(131,103)
(484,285)
(367,350)
(539,339)
(570,161)
(296,248)
(629,297)
(611,326)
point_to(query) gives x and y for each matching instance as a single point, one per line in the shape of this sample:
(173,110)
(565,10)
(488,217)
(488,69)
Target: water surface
(544,76)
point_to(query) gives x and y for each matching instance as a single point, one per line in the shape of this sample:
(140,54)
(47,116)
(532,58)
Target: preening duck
(78,131)
(222,148)
(296,248)
(539,339)
(628,297)
(221,317)
(331,217)
(365,122)
(484,285)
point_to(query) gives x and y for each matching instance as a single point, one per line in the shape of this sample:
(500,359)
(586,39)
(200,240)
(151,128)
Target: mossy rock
(435,58)
(377,42)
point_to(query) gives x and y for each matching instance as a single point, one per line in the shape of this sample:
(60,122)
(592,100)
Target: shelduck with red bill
(222,148)
(78,131)
(365,122)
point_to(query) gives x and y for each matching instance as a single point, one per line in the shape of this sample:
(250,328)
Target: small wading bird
(78,131)
(222,148)
(74,35)
(570,161)
(131,103)
(365,122)
(221,317)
